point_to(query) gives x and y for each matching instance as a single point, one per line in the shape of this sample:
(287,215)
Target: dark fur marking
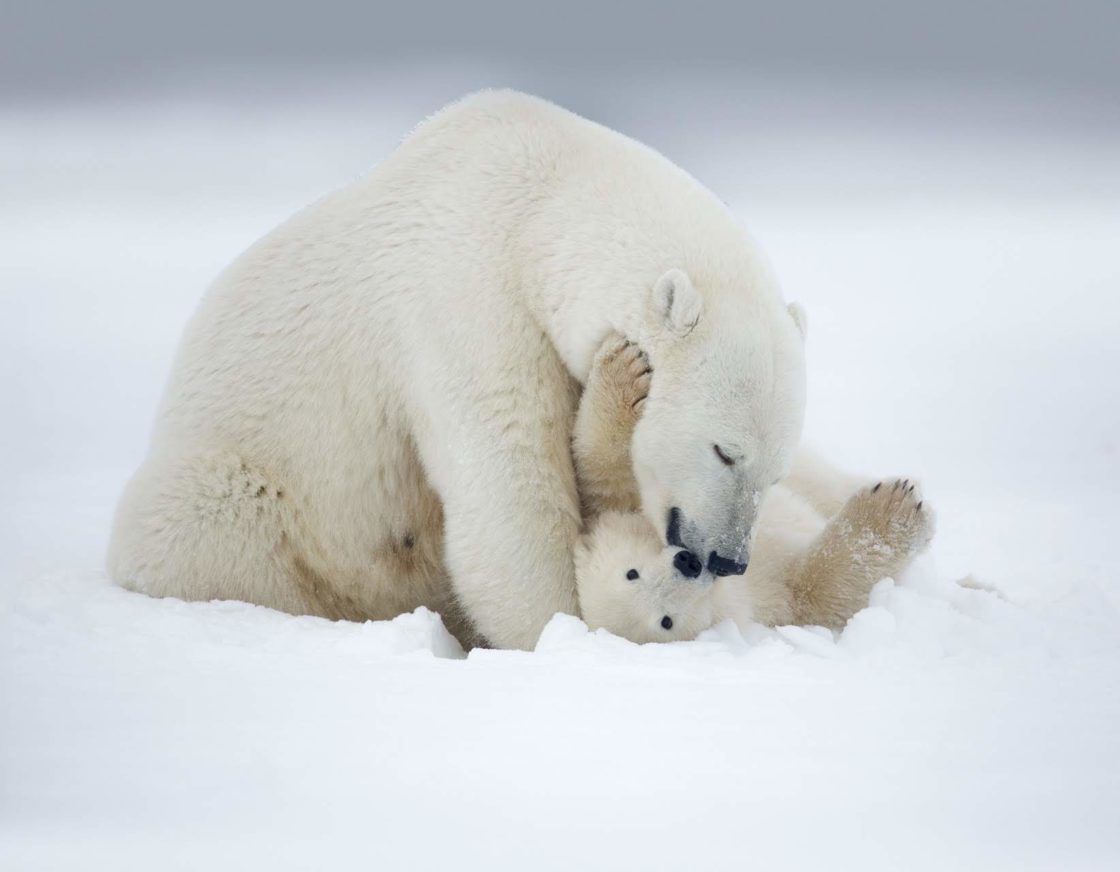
(319,594)
(673,533)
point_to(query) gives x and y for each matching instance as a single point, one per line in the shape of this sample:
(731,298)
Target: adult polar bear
(377,398)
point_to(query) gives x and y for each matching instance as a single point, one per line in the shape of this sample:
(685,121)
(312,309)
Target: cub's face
(721,421)
(634,587)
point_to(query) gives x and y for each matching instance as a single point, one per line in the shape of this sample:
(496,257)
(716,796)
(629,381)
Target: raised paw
(622,372)
(891,515)
(609,409)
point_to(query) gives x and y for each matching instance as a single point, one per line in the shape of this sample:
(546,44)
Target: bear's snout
(688,564)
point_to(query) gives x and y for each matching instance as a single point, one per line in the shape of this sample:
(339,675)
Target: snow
(957,257)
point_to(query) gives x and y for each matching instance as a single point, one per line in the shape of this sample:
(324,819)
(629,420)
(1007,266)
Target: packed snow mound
(927,617)
(943,725)
(95,607)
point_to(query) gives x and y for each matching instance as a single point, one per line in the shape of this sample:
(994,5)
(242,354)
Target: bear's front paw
(622,371)
(892,514)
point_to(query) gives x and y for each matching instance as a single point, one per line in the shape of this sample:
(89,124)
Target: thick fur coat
(822,538)
(371,409)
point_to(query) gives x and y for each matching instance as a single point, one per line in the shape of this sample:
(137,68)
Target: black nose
(688,564)
(723,566)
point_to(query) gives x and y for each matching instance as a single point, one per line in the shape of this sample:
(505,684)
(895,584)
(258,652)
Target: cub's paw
(892,517)
(621,374)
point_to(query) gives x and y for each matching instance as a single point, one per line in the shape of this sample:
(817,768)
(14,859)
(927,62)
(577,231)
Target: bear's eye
(632,574)
(667,622)
(722,455)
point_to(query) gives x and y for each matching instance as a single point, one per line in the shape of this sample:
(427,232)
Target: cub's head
(723,416)
(630,584)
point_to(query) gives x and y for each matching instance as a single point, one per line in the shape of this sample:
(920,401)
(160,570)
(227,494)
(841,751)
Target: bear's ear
(797,312)
(677,302)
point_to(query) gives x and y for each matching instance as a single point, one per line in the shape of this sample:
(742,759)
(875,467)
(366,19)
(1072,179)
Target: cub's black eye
(632,574)
(667,622)
(723,458)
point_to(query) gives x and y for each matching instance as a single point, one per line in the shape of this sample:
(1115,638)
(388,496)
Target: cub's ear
(676,302)
(799,318)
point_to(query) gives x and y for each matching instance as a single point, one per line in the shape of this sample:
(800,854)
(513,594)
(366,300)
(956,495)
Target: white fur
(619,542)
(371,408)
(816,556)
(822,538)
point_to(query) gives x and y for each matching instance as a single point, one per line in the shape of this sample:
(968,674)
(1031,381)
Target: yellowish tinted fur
(822,541)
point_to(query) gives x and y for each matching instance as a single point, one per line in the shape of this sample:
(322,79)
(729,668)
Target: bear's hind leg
(821,484)
(210,526)
(875,535)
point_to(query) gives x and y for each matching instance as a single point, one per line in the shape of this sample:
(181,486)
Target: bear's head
(636,588)
(723,416)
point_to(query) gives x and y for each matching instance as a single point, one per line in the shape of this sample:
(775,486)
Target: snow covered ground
(958,256)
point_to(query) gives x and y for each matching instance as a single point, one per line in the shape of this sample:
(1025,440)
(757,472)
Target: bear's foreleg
(609,408)
(498,454)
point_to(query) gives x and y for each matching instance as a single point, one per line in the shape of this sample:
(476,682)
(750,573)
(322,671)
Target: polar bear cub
(822,540)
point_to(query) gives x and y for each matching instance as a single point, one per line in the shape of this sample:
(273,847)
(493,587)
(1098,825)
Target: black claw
(876,488)
(919,506)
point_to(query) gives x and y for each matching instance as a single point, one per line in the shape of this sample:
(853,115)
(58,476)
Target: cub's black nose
(725,566)
(688,564)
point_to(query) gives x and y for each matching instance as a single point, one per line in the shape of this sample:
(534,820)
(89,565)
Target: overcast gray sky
(77,47)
